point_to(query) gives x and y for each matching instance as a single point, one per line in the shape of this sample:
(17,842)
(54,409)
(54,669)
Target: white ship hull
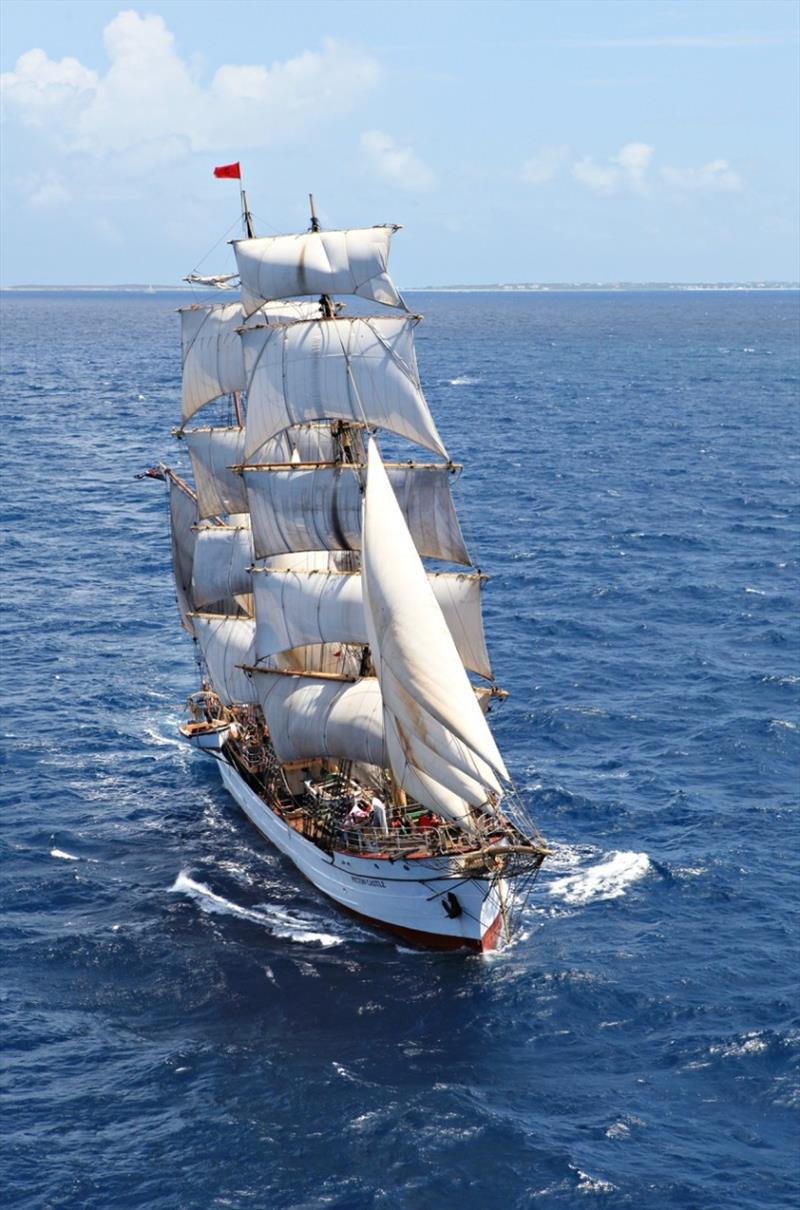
(405,897)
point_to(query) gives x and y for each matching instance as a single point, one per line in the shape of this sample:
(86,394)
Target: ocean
(186,1024)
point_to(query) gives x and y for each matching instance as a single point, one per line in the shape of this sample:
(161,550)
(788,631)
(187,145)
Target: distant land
(494,287)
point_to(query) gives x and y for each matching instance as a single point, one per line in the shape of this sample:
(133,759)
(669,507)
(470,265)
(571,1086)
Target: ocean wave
(278,921)
(607,880)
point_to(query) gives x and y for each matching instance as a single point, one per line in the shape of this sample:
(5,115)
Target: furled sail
(317,262)
(212,451)
(213,361)
(319,508)
(222,558)
(226,643)
(422,679)
(294,608)
(358,369)
(183,517)
(310,717)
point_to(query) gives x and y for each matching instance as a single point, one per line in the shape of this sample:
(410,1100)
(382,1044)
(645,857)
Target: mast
(328,309)
(247,218)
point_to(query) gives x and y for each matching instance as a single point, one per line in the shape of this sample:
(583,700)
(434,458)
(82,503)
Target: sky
(515,140)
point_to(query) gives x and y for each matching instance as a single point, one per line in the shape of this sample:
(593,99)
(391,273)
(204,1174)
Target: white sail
(213,451)
(222,558)
(183,517)
(415,657)
(320,509)
(311,717)
(358,369)
(213,361)
(298,607)
(421,786)
(301,443)
(226,643)
(317,262)
(433,747)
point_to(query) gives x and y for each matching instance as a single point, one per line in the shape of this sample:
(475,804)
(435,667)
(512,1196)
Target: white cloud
(44,190)
(715,176)
(396,163)
(40,89)
(634,160)
(150,106)
(544,166)
(625,171)
(629,172)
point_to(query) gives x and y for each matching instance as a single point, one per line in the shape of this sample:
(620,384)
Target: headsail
(424,685)
(317,262)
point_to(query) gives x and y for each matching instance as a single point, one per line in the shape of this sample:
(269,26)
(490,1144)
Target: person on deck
(428,820)
(379,814)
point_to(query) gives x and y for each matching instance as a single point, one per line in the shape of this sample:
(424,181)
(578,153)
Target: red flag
(229,170)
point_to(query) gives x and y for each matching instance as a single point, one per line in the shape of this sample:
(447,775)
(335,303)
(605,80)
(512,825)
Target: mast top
(314,219)
(247,218)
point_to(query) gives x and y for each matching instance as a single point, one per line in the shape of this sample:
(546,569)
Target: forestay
(317,262)
(213,361)
(294,608)
(183,517)
(355,369)
(222,558)
(309,717)
(319,508)
(226,643)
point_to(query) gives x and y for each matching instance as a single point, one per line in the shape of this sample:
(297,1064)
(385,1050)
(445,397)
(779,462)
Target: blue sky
(516,141)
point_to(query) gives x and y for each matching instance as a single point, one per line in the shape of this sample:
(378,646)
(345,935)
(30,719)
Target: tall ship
(334,608)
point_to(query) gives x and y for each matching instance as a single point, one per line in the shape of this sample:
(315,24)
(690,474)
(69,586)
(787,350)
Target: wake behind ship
(345,676)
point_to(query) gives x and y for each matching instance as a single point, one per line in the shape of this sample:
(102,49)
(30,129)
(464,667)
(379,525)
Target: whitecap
(464,380)
(608,880)
(592,1184)
(750,1044)
(64,856)
(277,920)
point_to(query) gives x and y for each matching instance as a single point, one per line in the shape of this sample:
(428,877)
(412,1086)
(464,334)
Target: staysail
(425,688)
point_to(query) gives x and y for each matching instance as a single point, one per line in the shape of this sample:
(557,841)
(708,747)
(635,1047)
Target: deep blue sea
(187,1026)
